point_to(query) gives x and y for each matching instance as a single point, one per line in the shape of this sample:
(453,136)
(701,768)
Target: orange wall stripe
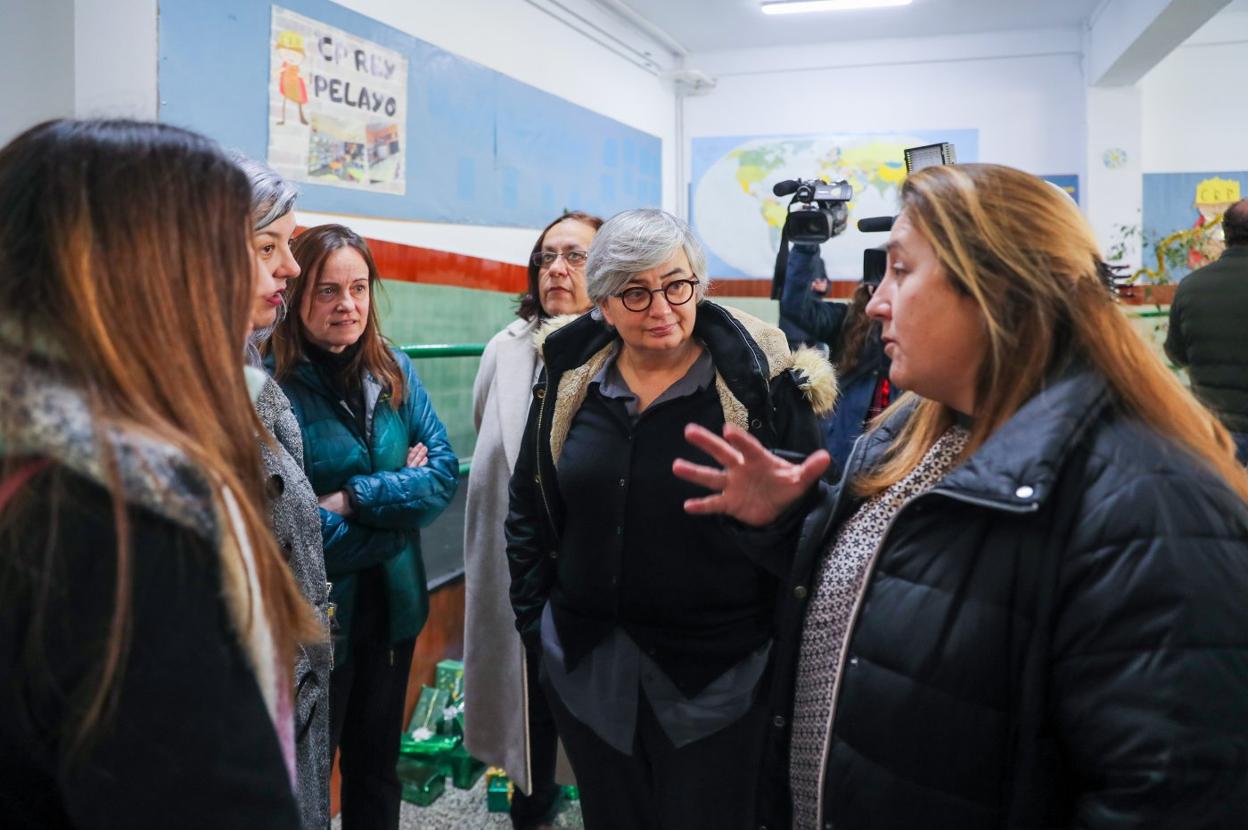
(408,263)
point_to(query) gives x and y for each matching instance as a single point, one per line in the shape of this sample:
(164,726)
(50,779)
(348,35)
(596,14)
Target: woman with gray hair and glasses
(293,511)
(654,628)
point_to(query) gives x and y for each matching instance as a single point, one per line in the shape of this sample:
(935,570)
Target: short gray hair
(272,197)
(635,241)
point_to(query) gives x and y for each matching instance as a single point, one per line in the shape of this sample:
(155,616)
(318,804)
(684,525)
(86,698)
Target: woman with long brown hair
(1024,605)
(149,619)
(379,461)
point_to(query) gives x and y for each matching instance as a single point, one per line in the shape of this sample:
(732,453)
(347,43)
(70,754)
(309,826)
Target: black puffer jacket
(764,389)
(1209,334)
(1056,635)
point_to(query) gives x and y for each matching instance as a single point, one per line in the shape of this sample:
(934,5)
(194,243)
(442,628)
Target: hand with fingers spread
(418,456)
(755,486)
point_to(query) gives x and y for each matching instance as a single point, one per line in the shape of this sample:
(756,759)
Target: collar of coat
(748,354)
(1018,466)
(307,373)
(46,414)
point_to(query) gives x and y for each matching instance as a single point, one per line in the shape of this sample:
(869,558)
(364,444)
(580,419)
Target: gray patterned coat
(297,526)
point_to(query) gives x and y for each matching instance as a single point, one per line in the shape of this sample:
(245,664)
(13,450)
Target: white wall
(36,63)
(116,59)
(1115,194)
(521,40)
(1024,92)
(100,58)
(1195,105)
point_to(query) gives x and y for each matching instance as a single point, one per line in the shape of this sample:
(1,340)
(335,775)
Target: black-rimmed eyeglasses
(676,292)
(545,259)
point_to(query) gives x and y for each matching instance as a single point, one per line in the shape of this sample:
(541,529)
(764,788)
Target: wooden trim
(837,289)
(407,263)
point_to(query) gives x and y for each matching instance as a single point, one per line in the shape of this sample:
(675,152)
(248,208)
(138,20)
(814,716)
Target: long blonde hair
(1023,253)
(126,244)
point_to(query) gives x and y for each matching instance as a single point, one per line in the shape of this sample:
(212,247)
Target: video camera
(822,209)
(823,213)
(818,211)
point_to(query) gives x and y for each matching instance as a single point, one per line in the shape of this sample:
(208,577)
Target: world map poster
(739,221)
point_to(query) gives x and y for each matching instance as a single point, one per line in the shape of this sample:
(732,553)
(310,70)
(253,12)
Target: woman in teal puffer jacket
(382,468)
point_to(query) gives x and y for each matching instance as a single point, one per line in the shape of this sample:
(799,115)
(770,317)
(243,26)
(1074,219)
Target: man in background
(1209,328)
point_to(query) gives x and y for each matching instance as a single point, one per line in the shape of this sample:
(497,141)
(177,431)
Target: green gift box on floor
(465,770)
(497,791)
(450,678)
(422,784)
(434,751)
(429,710)
(453,725)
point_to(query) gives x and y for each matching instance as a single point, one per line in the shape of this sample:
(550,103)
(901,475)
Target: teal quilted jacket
(391,501)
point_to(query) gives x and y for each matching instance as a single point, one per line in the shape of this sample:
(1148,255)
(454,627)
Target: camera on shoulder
(818,211)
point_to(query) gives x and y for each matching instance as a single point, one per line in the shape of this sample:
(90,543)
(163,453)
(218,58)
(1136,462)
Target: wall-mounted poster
(1068,182)
(437,139)
(1180,216)
(337,106)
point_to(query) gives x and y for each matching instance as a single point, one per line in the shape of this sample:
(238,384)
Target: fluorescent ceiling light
(799,6)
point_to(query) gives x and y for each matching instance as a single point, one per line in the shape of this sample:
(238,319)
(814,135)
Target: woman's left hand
(755,486)
(336,502)
(418,456)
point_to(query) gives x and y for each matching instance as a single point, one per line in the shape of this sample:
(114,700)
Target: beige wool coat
(495,719)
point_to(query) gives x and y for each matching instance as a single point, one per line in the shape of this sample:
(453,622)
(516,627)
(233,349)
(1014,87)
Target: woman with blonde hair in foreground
(1024,604)
(149,620)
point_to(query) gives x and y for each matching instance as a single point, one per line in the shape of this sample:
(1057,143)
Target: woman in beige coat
(507,721)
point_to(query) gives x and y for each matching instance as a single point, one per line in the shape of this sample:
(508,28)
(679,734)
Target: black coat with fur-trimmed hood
(625,554)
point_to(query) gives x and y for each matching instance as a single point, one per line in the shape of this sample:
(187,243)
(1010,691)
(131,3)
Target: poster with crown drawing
(337,106)
(1182,220)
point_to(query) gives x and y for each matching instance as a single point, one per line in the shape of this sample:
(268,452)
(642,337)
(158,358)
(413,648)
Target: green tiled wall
(412,313)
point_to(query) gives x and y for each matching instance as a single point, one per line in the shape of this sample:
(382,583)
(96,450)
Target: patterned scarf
(46,415)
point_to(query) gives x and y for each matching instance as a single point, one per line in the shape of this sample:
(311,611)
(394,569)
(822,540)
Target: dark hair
(530,302)
(107,227)
(848,352)
(289,342)
(1235,224)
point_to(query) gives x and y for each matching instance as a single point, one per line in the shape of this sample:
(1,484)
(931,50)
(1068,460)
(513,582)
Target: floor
(465,810)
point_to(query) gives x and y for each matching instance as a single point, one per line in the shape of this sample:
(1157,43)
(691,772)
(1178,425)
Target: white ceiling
(713,25)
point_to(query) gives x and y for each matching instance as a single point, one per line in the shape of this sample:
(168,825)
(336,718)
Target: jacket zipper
(840,668)
(541,479)
(1031,507)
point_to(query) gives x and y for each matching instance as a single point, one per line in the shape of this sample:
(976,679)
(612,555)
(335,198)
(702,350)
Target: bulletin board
(473,145)
(1175,202)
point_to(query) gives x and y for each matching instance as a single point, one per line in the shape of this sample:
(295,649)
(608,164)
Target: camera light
(929,155)
(800,6)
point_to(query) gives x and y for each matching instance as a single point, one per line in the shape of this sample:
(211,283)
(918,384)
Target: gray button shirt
(602,692)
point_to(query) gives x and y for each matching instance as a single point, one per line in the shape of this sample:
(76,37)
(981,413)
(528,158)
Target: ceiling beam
(1129,37)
